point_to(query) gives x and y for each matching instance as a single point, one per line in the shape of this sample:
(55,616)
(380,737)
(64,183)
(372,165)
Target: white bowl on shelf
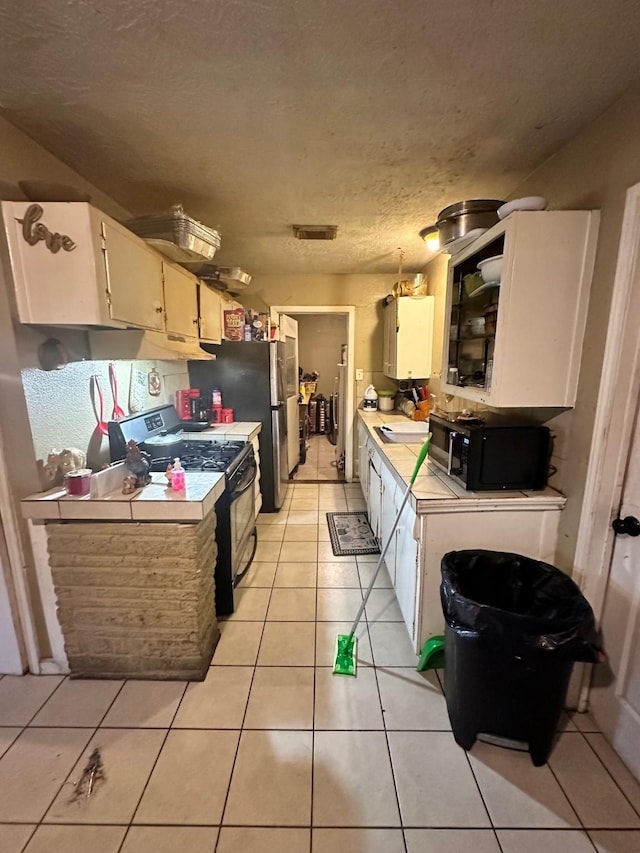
(491,268)
(530,202)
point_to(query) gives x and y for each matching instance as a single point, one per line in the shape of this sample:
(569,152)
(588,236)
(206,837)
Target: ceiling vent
(315,232)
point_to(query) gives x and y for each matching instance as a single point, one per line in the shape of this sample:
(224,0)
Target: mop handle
(421,457)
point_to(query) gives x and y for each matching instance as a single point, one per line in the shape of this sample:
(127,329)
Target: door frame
(613,424)
(350,312)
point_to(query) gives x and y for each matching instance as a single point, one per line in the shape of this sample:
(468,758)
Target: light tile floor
(320,464)
(272,752)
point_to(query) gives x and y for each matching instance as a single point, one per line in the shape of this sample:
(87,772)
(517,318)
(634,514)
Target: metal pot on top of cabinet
(517,341)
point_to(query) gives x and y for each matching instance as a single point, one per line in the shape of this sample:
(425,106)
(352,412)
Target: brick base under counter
(136,600)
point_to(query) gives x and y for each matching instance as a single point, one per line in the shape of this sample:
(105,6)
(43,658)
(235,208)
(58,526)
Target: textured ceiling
(256,114)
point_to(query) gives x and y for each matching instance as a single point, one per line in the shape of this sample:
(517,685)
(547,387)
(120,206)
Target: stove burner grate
(202,456)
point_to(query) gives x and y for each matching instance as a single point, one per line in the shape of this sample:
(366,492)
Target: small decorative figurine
(129,484)
(138,463)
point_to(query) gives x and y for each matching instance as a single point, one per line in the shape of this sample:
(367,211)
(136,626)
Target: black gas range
(236,535)
(206,454)
(160,432)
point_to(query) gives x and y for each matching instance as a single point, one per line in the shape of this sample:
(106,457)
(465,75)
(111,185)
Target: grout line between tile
(468,760)
(142,793)
(244,716)
(615,781)
(386,737)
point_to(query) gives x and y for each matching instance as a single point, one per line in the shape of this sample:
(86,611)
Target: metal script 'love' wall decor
(33,231)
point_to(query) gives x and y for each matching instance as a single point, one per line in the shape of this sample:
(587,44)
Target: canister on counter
(227,416)
(78,482)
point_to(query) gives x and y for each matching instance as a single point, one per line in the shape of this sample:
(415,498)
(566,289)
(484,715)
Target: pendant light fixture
(431,237)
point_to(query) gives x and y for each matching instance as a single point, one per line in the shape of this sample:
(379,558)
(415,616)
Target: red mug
(78,483)
(227,416)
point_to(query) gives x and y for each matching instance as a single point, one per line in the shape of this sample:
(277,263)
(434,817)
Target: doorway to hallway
(326,341)
(320,464)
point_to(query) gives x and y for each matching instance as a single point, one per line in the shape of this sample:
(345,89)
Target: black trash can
(514,627)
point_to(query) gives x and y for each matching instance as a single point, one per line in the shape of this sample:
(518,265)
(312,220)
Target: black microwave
(490,453)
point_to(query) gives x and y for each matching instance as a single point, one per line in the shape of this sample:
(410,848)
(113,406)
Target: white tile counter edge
(155,502)
(447,495)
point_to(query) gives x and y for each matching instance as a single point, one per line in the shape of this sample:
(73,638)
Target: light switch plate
(359,374)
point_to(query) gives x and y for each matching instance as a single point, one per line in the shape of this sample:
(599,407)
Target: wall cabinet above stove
(180,300)
(211,308)
(517,341)
(74,266)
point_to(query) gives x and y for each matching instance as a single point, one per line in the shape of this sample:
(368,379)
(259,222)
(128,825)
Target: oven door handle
(452,435)
(246,482)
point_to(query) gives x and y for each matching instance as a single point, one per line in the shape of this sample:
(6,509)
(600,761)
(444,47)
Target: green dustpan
(432,654)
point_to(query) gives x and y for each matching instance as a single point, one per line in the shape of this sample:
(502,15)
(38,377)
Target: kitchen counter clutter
(155,502)
(440,517)
(433,490)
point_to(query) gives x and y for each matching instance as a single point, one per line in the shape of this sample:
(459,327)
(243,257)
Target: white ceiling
(257,114)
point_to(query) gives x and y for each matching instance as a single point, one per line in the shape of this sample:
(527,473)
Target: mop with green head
(347,644)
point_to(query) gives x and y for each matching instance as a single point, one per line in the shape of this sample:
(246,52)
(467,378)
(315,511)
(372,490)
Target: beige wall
(320,340)
(365,292)
(592,172)
(61,411)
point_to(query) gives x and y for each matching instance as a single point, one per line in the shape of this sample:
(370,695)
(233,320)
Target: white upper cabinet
(73,265)
(408,337)
(210,314)
(180,300)
(134,279)
(518,341)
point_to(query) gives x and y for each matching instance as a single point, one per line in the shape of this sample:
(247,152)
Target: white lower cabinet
(407,571)
(374,491)
(532,532)
(363,459)
(384,496)
(428,530)
(388,512)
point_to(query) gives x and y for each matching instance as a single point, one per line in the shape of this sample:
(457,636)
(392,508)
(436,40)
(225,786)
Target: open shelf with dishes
(472,319)
(515,339)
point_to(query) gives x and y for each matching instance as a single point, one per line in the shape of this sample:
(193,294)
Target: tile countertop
(435,491)
(246,430)
(154,502)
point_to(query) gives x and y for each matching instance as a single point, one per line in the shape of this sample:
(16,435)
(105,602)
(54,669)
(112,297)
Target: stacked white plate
(530,202)
(413,432)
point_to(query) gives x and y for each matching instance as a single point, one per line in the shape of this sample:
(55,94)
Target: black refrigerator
(251,377)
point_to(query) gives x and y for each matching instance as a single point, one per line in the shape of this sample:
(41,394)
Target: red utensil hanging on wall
(96,392)
(118,412)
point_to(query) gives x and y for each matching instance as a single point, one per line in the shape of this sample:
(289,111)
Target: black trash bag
(518,604)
